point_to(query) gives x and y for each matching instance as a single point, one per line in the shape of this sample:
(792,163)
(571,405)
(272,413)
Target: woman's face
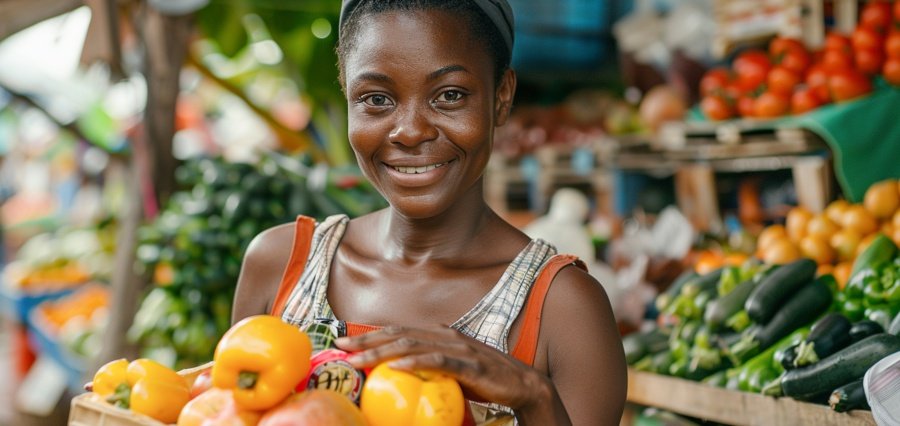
(422,107)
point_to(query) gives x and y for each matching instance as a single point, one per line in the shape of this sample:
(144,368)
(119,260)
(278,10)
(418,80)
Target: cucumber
(638,345)
(880,251)
(719,310)
(828,335)
(803,308)
(840,368)
(849,397)
(895,325)
(775,288)
(865,328)
(665,298)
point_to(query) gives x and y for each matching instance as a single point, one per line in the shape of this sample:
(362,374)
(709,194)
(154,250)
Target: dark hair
(480,25)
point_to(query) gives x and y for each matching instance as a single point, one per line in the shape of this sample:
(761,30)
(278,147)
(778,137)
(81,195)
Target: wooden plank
(739,408)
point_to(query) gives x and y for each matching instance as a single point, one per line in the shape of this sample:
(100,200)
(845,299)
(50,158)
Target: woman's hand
(483,372)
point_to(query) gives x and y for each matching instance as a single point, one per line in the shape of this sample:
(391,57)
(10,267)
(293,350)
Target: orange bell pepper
(261,359)
(423,398)
(144,386)
(109,377)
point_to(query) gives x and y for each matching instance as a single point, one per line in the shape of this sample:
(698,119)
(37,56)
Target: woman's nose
(412,127)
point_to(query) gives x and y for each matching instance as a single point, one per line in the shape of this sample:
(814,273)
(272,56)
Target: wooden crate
(90,410)
(739,408)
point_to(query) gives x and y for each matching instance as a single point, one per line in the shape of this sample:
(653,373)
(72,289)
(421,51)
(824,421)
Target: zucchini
(849,397)
(803,308)
(865,328)
(840,368)
(703,284)
(665,298)
(895,325)
(828,335)
(786,356)
(777,287)
(719,310)
(879,252)
(638,345)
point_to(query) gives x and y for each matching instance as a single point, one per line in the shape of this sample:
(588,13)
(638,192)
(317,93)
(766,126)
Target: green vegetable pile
(194,248)
(778,330)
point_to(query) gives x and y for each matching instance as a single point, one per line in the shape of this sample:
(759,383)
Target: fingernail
(342,341)
(354,359)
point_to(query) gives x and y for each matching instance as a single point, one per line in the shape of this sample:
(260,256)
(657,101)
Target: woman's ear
(505,93)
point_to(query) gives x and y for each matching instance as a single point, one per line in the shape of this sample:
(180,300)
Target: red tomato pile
(789,79)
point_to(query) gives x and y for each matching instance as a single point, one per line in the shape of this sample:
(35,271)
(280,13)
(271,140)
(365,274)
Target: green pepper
(680,350)
(893,295)
(859,282)
(873,294)
(853,308)
(880,314)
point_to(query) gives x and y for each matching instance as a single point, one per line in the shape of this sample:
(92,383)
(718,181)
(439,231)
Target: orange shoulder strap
(526,345)
(303,233)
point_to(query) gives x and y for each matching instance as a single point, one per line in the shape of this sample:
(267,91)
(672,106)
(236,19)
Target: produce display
(791,79)
(782,327)
(257,377)
(835,237)
(194,248)
(77,321)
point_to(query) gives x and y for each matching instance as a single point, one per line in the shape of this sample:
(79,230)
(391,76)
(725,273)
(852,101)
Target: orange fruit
(835,210)
(780,252)
(769,235)
(708,261)
(844,243)
(887,228)
(860,220)
(841,273)
(895,236)
(817,248)
(882,199)
(820,225)
(796,222)
(896,220)
(824,269)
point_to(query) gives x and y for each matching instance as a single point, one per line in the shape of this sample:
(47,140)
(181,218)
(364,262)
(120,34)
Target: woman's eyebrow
(446,70)
(374,76)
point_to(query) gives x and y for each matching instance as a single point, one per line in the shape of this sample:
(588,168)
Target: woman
(427,82)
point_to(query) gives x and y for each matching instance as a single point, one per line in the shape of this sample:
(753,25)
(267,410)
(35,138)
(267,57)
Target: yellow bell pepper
(262,359)
(159,397)
(109,377)
(424,398)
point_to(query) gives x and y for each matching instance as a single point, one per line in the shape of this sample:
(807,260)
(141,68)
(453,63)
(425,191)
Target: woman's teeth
(417,170)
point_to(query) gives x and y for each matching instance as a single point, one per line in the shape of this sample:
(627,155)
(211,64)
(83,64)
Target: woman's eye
(451,96)
(377,100)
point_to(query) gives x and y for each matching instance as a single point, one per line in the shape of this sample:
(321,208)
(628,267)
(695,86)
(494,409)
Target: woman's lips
(418,176)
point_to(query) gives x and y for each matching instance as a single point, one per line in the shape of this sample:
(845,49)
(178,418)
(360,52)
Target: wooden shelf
(739,408)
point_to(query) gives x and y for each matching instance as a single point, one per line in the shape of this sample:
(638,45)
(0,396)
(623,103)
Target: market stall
(727,173)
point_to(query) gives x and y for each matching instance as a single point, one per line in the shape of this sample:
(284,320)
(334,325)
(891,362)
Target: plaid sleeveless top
(489,321)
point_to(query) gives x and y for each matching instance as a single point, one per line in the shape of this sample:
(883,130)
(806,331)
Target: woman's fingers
(404,346)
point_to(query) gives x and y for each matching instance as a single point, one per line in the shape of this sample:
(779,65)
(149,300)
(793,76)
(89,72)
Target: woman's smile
(417,175)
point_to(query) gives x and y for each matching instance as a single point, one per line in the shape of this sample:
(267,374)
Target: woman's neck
(445,236)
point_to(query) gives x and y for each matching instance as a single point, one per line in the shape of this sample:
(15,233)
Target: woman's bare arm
(584,350)
(263,266)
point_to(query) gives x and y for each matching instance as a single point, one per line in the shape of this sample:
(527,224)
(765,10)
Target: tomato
(891,71)
(876,15)
(752,67)
(817,80)
(836,60)
(848,84)
(771,104)
(745,106)
(782,80)
(714,80)
(869,61)
(804,100)
(866,39)
(897,11)
(791,54)
(716,108)
(734,91)
(892,44)
(837,42)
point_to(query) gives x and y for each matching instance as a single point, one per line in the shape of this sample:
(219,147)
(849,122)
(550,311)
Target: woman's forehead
(423,38)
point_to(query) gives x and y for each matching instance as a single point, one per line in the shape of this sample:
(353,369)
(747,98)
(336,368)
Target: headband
(498,11)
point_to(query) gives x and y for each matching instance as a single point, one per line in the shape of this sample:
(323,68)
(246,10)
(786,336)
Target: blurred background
(143,143)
